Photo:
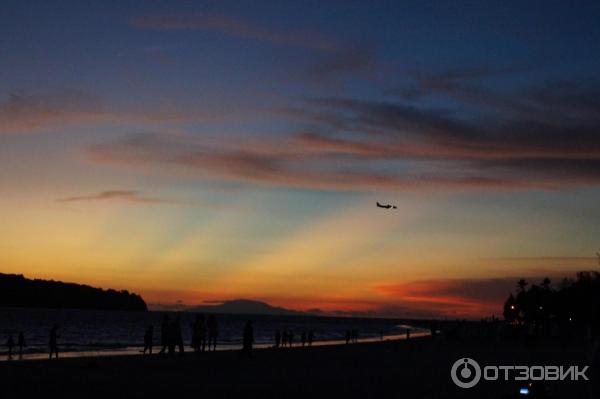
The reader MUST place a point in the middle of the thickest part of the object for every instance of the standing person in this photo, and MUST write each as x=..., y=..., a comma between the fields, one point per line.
x=194, y=330
x=172, y=337
x=303, y=338
x=291, y=338
x=284, y=338
x=277, y=338
x=53, y=341
x=178, y=338
x=164, y=333
x=201, y=332
x=348, y=336
x=407, y=333
x=21, y=344
x=148, y=340
x=248, y=339
x=10, y=343
x=310, y=337
x=213, y=332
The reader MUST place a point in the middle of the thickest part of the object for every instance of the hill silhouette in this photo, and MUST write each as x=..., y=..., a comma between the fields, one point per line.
x=18, y=291
x=245, y=306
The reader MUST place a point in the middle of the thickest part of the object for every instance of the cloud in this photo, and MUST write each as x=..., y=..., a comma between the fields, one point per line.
x=234, y=27
x=119, y=195
x=335, y=58
x=351, y=59
x=24, y=112
x=453, y=297
x=471, y=297
x=267, y=166
x=27, y=112
x=360, y=145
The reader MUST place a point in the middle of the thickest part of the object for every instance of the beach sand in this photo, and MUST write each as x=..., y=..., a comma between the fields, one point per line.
x=418, y=368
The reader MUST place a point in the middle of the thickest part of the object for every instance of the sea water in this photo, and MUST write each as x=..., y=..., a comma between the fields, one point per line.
x=93, y=332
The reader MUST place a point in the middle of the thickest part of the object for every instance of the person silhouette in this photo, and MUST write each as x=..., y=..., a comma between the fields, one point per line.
x=407, y=333
x=348, y=336
x=194, y=330
x=164, y=333
x=201, y=333
x=53, y=341
x=277, y=338
x=248, y=339
x=10, y=343
x=21, y=344
x=213, y=332
x=284, y=338
x=310, y=337
x=303, y=338
x=172, y=337
x=177, y=337
x=148, y=340
x=291, y=338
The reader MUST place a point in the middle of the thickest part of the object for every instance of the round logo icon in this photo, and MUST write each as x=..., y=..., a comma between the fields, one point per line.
x=465, y=373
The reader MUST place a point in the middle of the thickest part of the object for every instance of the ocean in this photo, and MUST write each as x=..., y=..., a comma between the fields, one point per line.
x=97, y=333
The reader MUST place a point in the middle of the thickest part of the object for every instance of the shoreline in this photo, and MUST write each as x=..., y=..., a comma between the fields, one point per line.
x=137, y=350
x=417, y=368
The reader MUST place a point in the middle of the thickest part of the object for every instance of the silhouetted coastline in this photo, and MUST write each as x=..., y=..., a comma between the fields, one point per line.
x=20, y=292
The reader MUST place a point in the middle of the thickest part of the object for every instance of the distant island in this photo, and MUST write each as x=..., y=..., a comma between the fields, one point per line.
x=244, y=306
x=18, y=291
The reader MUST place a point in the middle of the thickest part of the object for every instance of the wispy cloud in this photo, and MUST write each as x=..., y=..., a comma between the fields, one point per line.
x=335, y=57
x=344, y=143
x=453, y=297
x=471, y=297
x=27, y=112
x=235, y=27
x=277, y=167
x=120, y=195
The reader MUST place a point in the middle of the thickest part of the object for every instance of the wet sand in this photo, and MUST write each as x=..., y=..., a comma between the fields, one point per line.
x=418, y=368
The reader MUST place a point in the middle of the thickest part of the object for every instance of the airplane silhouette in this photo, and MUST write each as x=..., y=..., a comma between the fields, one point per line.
x=386, y=206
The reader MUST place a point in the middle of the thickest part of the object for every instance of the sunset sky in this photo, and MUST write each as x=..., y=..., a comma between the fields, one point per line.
x=209, y=150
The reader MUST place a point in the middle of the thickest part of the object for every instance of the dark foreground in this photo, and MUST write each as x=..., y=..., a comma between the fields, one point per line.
x=419, y=368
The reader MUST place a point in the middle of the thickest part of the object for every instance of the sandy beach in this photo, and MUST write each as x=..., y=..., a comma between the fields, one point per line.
x=418, y=368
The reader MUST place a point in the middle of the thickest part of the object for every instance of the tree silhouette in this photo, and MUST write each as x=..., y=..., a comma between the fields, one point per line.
x=521, y=284
x=546, y=283
x=574, y=304
x=18, y=291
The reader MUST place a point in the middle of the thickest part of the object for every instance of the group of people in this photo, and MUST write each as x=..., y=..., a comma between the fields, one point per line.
x=286, y=338
x=20, y=344
x=204, y=333
x=352, y=336
x=10, y=344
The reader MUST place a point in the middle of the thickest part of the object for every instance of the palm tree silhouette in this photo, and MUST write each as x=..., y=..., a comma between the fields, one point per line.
x=546, y=283
x=521, y=284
